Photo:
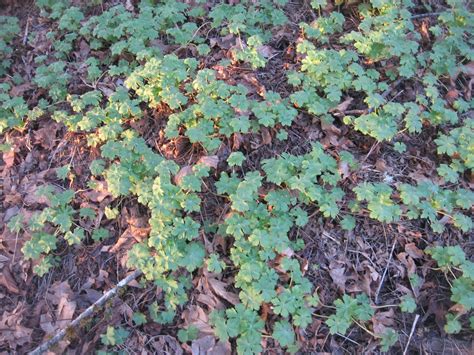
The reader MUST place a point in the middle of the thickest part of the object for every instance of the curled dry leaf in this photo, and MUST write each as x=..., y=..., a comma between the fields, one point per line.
x=266, y=136
x=413, y=251
x=342, y=107
x=7, y=280
x=185, y=171
x=339, y=278
x=196, y=316
x=266, y=51
x=218, y=287
x=344, y=169
x=9, y=158
x=211, y=161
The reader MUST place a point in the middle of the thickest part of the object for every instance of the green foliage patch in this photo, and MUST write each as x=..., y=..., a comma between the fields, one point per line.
x=154, y=59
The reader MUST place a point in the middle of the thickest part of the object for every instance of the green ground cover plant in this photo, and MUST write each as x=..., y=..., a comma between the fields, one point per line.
x=155, y=58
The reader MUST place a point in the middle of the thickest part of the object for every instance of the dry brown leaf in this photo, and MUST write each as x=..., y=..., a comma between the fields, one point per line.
x=99, y=194
x=221, y=348
x=382, y=320
x=129, y=6
x=266, y=136
x=218, y=287
x=337, y=275
x=468, y=69
x=195, y=315
x=413, y=251
x=288, y=252
x=266, y=51
x=451, y=96
x=7, y=280
x=165, y=344
x=330, y=129
x=343, y=106
x=237, y=140
x=344, y=169
x=203, y=345
x=65, y=312
x=185, y=171
x=381, y=165
x=12, y=332
x=211, y=161
x=9, y=158
x=46, y=136
x=19, y=90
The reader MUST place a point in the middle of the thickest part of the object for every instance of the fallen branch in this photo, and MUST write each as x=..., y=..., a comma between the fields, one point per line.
x=87, y=313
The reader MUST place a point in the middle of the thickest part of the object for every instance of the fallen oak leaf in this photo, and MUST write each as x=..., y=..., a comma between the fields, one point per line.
x=218, y=287
x=6, y=280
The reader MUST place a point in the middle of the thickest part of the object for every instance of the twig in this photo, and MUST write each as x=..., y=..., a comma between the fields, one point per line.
x=347, y=338
x=88, y=312
x=384, y=273
x=411, y=333
x=432, y=14
x=25, y=35
x=370, y=152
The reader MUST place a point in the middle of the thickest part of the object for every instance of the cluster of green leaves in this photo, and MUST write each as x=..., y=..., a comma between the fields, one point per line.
x=114, y=336
x=250, y=53
x=122, y=31
x=205, y=106
x=58, y=219
x=348, y=310
x=265, y=208
x=426, y=200
x=453, y=262
x=351, y=310
x=314, y=175
x=458, y=144
x=9, y=28
x=386, y=33
x=379, y=202
x=260, y=226
x=14, y=111
x=129, y=36
x=52, y=77
x=249, y=17
x=172, y=246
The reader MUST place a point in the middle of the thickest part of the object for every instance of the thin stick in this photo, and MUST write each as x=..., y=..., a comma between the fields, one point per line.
x=411, y=333
x=87, y=313
x=25, y=36
x=347, y=338
x=432, y=14
x=384, y=273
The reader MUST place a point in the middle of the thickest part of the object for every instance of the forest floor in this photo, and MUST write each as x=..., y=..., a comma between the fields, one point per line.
x=385, y=260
